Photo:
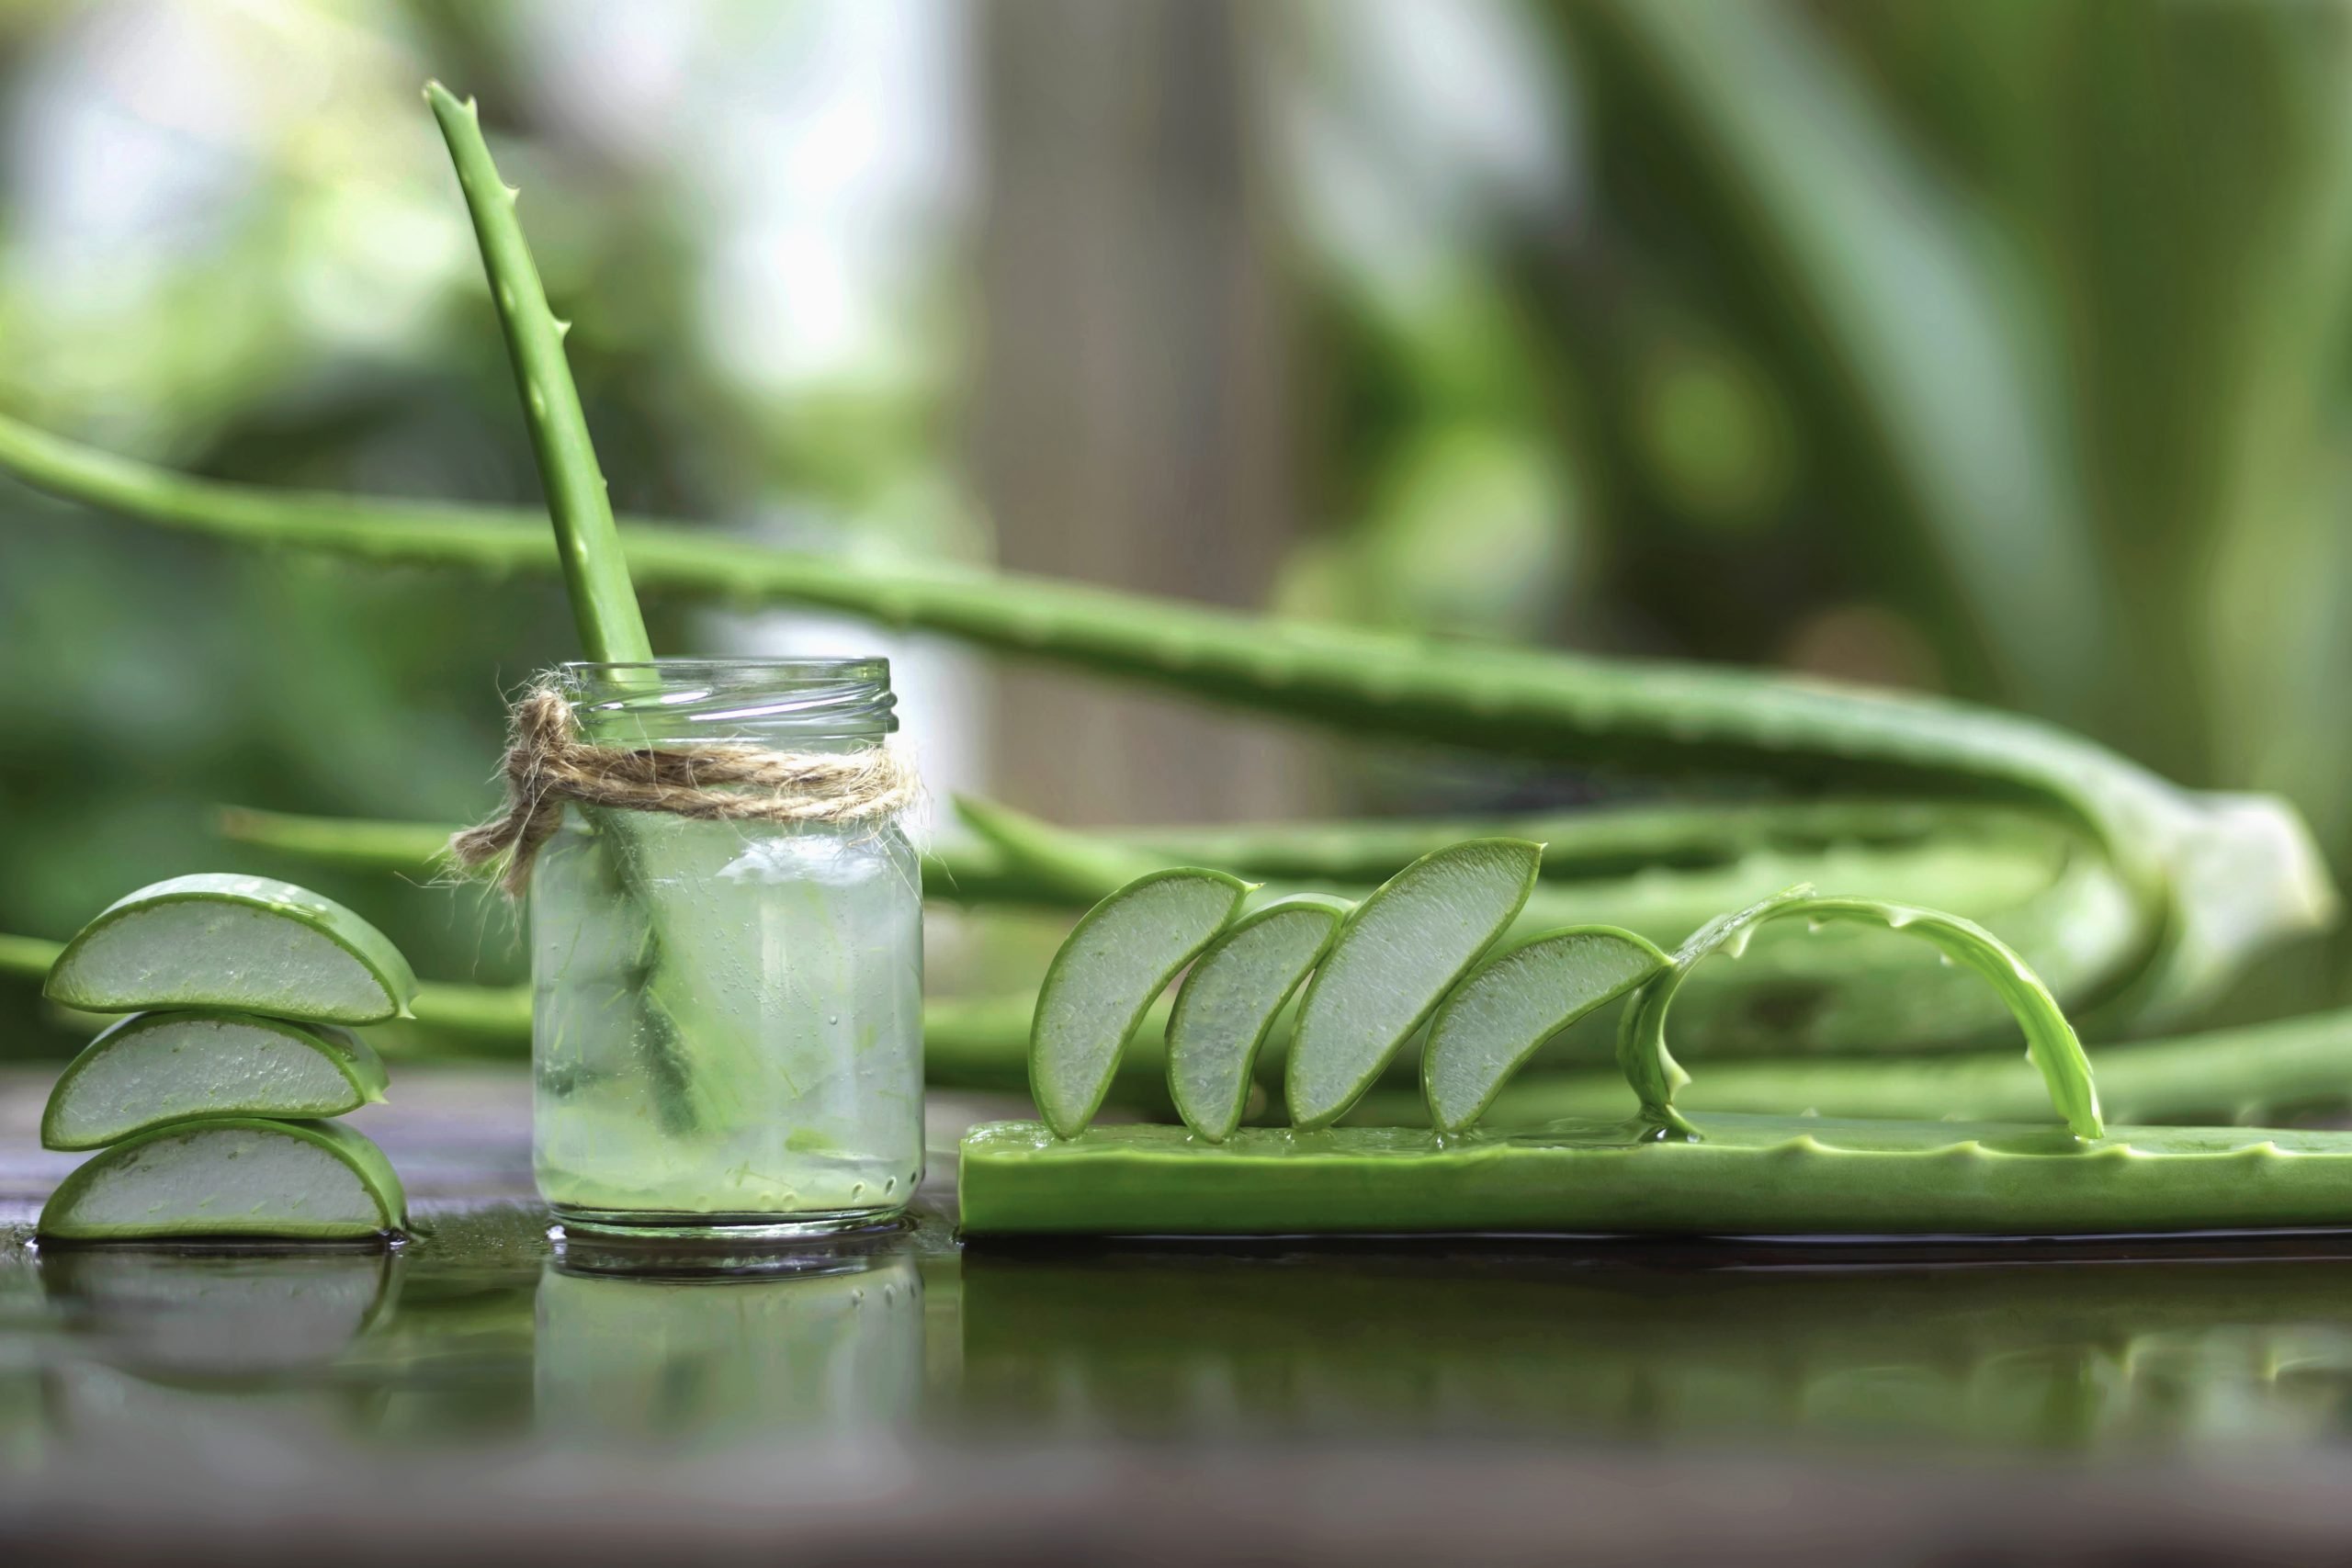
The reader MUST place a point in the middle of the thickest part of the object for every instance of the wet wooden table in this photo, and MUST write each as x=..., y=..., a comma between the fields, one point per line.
x=473, y=1396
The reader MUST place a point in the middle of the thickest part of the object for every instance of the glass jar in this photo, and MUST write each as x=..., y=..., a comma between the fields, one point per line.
x=727, y=1017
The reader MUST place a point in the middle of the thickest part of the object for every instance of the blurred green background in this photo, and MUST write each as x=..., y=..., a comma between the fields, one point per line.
x=1990, y=347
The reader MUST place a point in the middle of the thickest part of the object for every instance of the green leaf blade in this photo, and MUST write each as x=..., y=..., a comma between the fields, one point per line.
x=1510, y=1006
x=1118, y=958
x=1230, y=1000
x=2051, y=1043
x=603, y=601
x=1403, y=949
x=245, y=944
x=158, y=1068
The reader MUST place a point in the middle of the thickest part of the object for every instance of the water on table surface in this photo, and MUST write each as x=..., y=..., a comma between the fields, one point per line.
x=728, y=1019
x=474, y=1336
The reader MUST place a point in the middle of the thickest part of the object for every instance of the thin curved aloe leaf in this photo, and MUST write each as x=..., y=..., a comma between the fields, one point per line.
x=1511, y=1004
x=1230, y=999
x=1119, y=958
x=1394, y=961
x=155, y=1067
x=241, y=1177
x=249, y=943
x=587, y=540
x=1650, y=716
x=2051, y=1043
x=1742, y=1176
x=1076, y=866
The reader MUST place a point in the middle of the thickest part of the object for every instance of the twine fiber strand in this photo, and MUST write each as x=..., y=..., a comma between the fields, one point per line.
x=547, y=764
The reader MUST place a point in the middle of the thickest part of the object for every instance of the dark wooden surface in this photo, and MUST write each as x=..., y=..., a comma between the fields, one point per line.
x=96, y=1466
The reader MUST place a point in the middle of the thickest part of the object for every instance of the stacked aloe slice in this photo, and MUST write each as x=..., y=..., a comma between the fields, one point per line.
x=211, y=1101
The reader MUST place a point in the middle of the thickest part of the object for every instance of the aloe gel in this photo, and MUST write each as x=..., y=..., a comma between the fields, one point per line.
x=726, y=1030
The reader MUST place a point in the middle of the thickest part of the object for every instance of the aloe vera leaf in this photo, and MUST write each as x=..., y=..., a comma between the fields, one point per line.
x=155, y=1067
x=587, y=540
x=1656, y=716
x=2027, y=878
x=2240, y=1075
x=1119, y=957
x=1744, y=1176
x=2051, y=1044
x=1393, y=961
x=1511, y=1004
x=249, y=943
x=1079, y=867
x=239, y=1176
x=1649, y=716
x=1228, y=1002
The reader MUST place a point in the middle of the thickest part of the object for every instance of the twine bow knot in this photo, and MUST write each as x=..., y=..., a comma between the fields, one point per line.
x=547, y=764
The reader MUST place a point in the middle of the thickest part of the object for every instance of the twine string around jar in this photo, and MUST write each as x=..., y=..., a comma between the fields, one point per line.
x=547, y=764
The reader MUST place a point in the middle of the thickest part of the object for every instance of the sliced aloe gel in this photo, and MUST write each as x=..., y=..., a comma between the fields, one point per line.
x=1118, y=958
x=299, y=1180
x=246, y=942
x=1231, y=999
x=1395, y=960
x=155, y=1067
x=1495, y=1019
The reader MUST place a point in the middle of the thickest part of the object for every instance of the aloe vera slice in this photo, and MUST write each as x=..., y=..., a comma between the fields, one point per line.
x=1121, y=954
x=1231, y=999
x=155, y=1067
x=2050, y=1041
x=250, y=944
x=1744, y=1176
x=1495, y=1019
x=1394, y=961
x=239, y=1176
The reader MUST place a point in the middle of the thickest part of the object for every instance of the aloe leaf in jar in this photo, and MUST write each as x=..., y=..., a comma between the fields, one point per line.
x=727, y=1028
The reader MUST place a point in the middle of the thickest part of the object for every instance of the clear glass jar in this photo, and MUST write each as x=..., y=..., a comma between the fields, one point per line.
x=727, y=1018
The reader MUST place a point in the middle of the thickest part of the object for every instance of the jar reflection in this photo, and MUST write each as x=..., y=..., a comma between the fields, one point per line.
x=834, y=1348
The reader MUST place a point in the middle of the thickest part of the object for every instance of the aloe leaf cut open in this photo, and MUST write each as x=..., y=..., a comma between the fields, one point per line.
x=1743, y=1176
x=1395, y=960
x=2051, y=1042
x=155, y=1067
x=1120, y=956
x=1230, y=999
x=1498, y=1018
x=249, y=943
x=237, y=1177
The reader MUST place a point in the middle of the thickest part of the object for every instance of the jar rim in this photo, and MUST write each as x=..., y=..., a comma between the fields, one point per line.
x=666, y=700
x=791, y=669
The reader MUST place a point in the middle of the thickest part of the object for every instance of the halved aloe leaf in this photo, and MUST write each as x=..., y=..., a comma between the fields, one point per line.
x=247, y=942
x=1231, y=999
x=1497, y=1018
x=241, y=1177
x=2050, y=1041
x=1122, y=954
x=155, y=1067
x=1395, y=960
